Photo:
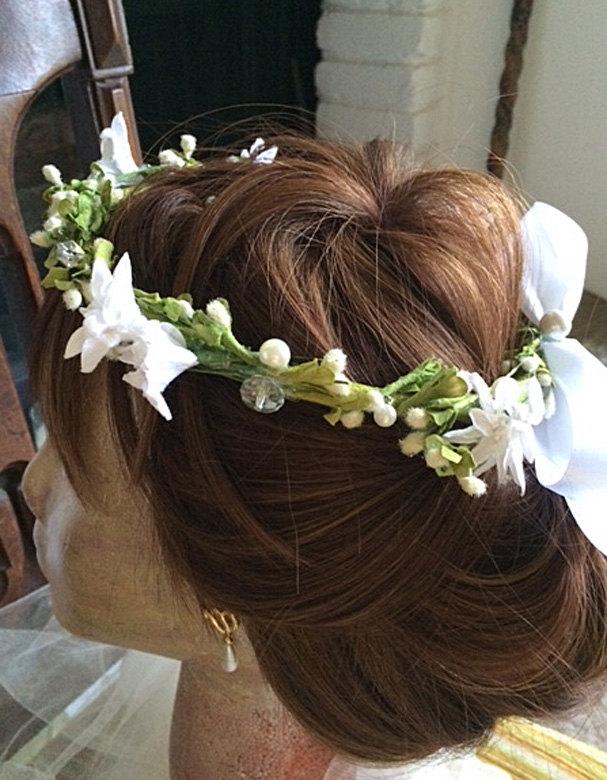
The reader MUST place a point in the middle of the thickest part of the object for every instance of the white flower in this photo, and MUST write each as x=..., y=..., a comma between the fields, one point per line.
x=188, y=145
x=502, y=429
x=417, y=418
x=159, y=355
x=52, y=174
x=412, y=444
x=258, y=153
x=115, y=327
x=116, y=154
x=336, y=360
x=217, y=311
x=170, y=157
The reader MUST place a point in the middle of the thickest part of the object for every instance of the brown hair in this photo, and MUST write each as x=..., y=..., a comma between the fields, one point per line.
x=391, y=613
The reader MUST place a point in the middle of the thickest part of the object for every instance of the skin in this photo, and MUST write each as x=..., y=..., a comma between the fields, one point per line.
x=108, y=583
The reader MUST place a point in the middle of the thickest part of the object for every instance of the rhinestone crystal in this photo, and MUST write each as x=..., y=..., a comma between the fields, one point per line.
x=262, y=393
x=68, y=253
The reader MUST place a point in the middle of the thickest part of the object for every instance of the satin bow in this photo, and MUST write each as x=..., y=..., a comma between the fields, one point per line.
x=572, y=444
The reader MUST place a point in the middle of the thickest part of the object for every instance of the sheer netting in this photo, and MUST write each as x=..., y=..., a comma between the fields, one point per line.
x=71, y=709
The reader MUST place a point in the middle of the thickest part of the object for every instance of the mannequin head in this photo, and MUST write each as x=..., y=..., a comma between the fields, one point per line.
x=391, y=613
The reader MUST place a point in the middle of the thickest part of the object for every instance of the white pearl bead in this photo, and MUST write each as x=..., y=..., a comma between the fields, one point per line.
x=385, y=417
x=531, y=363
x=275, y=353
x=376, y=401
x=554, y=325
x=230, y=664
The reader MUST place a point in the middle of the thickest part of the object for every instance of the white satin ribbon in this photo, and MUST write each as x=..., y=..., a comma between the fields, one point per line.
x=572, y=444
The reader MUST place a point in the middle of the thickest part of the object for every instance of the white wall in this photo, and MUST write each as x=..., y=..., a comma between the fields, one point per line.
x=559, y=138
x=427, y=72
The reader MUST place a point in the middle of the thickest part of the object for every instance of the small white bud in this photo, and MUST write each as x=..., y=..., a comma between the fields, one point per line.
x=417, y=418
x=188, y=145
x=531, y=363
x=218, y=313
x=41, y=238
x=233, y=158
x=412, y=444
x=186, y=307
x=336, y=360
x=434, y=459
x=473, y=486
x=72, y=298
x=53, y=223
x=544, y=379
x=275, y=353
x=376, y=401
x=340, y=387
x=386, y=416
x=170, y=157
x=211, y=199
x=116, y=195
x=352, y=419
x=52, y=174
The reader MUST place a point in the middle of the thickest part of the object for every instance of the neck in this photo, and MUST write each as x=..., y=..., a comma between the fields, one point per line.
x=228, y=725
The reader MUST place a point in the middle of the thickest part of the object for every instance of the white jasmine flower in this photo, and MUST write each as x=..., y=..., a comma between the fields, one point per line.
x=336, y=360
x=188, y=145
x=159, y=355
x=502, y=429
x=217, y=311
x=473, y=486
x=72, y=298
x=41, y=238
x=412, y=444
x=259, y=154
x=52, y=174
x=116, y=154
x=115, y=327
x=417, y=418
x=170, y=157
x=112, y=319
x=352, y=419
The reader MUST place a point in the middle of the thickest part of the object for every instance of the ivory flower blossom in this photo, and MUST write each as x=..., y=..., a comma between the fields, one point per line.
x=502, y=429
x=115, y=327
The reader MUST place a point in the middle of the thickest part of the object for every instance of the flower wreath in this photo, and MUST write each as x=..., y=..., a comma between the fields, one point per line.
x=460, y=425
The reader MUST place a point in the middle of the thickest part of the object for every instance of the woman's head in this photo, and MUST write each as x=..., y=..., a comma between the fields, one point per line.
x=392, y=614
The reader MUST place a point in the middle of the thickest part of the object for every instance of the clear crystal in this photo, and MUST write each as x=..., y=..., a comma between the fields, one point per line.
x=262, y=393
x=68, y=253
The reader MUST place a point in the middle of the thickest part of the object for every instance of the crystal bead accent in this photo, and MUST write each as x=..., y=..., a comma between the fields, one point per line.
x=68, y=253
x=262, y=393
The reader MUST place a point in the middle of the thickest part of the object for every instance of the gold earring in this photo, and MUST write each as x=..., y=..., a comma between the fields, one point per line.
x=225, y=624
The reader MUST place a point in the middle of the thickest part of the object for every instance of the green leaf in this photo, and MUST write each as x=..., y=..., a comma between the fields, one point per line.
x=54, y=275
x=333, y=416
x=172, y=309
x=312, y=373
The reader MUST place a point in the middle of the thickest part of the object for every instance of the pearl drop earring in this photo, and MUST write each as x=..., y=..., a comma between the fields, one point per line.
x=225, y=624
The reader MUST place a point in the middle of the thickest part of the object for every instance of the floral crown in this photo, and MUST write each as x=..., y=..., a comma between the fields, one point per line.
x=459, y=424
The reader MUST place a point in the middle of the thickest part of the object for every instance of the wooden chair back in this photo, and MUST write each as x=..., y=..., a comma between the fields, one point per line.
x=85, y=43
